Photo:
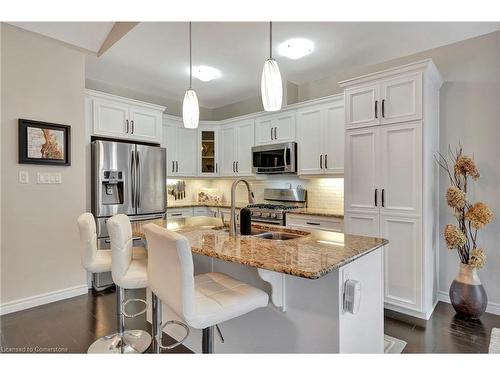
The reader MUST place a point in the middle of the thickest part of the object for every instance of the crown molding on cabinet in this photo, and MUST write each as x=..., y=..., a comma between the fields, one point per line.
x=104, y=95
x=427, y=65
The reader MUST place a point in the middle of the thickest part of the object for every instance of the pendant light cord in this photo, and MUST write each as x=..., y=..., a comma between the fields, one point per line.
x=190, y=59
x=270, y=40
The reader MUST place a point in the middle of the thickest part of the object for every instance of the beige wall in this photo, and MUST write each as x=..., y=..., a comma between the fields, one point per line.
x=42, y=80
x=470, y=114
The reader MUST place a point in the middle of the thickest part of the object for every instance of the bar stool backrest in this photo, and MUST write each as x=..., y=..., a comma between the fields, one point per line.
x=120, y=235
x=88, y=238
x=170, y=269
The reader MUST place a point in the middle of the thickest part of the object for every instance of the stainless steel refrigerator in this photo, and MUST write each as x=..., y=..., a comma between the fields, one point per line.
x=127, y=178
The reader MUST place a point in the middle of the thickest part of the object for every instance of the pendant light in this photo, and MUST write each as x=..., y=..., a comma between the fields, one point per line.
x=190, y=107
x=271, y=86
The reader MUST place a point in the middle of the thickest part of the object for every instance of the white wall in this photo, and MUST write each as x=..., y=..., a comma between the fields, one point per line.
x=470, y=114
x=41, y=80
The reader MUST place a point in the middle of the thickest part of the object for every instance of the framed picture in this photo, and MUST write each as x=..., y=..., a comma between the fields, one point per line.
x=44, y=143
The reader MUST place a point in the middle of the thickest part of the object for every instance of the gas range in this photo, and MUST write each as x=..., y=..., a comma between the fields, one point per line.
x=274, y=213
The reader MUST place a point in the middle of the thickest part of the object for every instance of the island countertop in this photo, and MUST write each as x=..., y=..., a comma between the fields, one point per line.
x=312, y=255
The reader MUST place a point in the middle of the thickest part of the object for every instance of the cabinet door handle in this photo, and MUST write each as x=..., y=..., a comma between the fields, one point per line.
x=276, y=132
x=272, y=134
x=173, y=166
x=312, y=223
x=321, y=162
x=326, y=161
x=376, y=200
x=126, y=131
x=376, y=108
x=233, y=168
x=216, y=168
x=177, y=166
x=383, y=197
x=237, y=167
x=132, y=123
x=383, y=107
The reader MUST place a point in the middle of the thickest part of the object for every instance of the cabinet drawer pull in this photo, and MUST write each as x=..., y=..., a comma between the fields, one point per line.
x=376, y=108
x=383, y=107
x=176, y=214
x=312, y=223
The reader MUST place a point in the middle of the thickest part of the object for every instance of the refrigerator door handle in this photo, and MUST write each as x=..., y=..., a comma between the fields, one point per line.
x=132, y=174
x=138, y=179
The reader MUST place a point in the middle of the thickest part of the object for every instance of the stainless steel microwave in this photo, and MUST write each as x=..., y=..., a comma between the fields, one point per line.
x=275, y=159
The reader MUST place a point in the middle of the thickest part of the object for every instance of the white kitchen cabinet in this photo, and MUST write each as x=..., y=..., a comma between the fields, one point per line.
x=118, y=117
x=236, y=148
x=276, y=128
x=320, y=138
x=388, y=100
x=299, y=221
x=390, y=180
x=181, y=145
x=208, y=157
x=173, y=213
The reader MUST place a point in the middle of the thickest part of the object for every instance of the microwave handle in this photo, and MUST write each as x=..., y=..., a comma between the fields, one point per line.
x=284, y=158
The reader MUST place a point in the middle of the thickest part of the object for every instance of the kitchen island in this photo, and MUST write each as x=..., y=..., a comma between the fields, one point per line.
x=305, y=276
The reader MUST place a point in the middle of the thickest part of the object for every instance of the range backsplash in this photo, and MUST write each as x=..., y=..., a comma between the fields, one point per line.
x=321, y=192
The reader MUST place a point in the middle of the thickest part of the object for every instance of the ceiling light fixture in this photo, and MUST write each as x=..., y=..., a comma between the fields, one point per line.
x=206, y=73
x=271, y=85
x=296, y=48
x=190, y=107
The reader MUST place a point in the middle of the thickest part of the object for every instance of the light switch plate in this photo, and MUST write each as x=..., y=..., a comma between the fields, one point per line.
x=24, y=177
x=48, y=178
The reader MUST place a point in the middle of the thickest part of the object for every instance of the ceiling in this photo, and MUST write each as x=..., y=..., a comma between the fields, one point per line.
x=153, y=57
x=86, y=35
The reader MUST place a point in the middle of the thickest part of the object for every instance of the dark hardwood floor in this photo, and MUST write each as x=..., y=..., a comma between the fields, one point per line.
x=70, y=326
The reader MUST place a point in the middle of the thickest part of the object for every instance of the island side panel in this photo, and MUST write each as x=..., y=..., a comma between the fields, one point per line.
x=363, y=332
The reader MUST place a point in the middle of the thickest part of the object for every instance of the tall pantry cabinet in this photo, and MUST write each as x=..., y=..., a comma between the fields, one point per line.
x=391, y=179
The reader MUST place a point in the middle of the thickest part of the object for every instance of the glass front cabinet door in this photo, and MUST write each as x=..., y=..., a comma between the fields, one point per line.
x=208, y=162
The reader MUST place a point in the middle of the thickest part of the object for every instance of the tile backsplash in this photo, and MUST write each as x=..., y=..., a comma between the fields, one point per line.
x=321, y=192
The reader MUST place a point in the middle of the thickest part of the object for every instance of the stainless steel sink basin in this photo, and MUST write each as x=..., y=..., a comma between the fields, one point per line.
x=277, y=236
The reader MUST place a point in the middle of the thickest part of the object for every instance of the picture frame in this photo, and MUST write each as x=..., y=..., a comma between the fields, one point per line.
x=44, y=143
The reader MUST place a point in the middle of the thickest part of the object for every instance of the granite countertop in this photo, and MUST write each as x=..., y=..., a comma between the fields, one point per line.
x=312, y=255
x=206, y=204
x=317, y=212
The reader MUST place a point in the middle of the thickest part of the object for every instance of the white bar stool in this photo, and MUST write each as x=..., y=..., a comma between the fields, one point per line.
x=202, y=301
x=127, y=273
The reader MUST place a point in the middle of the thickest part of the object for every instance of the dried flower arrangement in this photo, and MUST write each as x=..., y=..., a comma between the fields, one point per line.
x=470, y=217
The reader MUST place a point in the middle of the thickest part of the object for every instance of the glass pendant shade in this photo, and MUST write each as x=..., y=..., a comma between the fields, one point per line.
x=190, y=110
x=271, y=86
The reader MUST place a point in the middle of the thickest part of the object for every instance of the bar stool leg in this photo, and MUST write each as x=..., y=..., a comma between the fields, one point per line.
x=122, y=342
x=156, y=323
x=207, y=341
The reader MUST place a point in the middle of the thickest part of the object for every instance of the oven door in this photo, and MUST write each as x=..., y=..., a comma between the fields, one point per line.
x=275, y=159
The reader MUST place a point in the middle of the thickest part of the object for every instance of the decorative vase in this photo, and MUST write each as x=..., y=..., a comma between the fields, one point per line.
x=467, y=294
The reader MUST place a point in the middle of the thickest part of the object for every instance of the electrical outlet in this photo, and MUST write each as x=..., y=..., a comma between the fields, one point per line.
x=24, y=177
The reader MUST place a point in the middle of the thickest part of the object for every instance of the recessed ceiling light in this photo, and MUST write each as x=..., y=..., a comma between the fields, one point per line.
x=296, y=48
x=206, y=73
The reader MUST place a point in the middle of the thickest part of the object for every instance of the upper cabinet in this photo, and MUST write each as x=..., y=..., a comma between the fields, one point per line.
x=182, y=147
x=384, y=101
x=208, y=145
x=320, y=138
x=275, y=128
x=117, y=117
x=236, y=142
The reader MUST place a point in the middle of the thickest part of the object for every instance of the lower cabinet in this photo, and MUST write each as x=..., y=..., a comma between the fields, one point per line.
x=179, y=212
x=327, y=223
x=403, y=256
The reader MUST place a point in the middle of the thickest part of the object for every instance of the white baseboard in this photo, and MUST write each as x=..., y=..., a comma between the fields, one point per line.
x=42, y=299
x=492, y=308
x=416, y=314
